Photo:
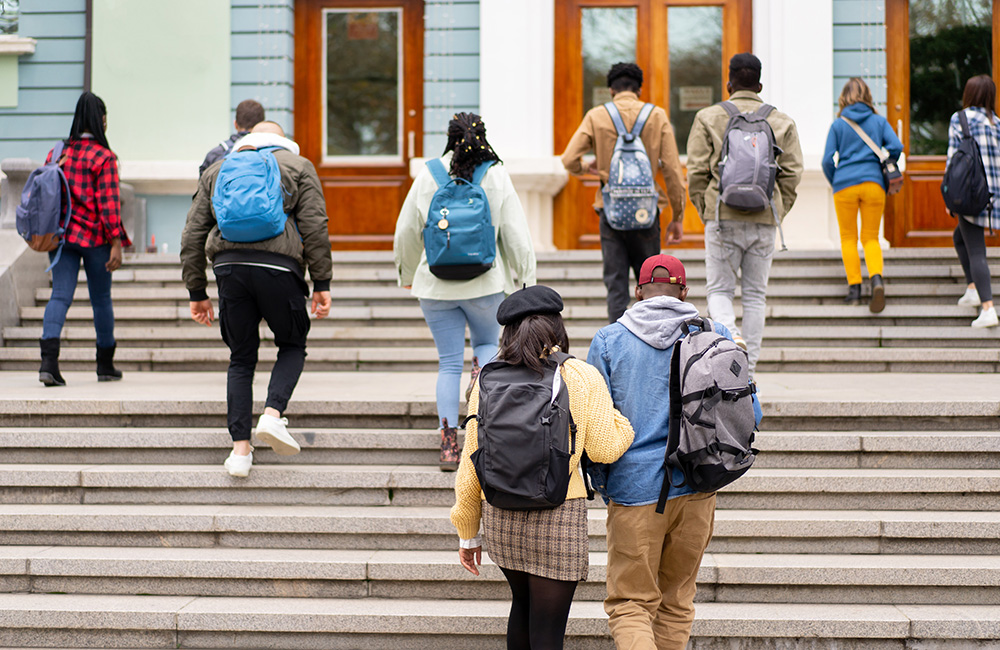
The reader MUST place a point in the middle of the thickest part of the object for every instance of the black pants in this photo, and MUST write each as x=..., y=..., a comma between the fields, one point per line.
x=970, y=244
x=623, y=250
x=248, y=294
x=538, y=612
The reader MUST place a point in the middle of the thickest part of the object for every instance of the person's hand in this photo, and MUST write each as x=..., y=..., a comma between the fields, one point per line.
x=592, y=167
x=321, y=304
x=470, y=557
x=675, y=232
x=201, y=311
x=115, y=259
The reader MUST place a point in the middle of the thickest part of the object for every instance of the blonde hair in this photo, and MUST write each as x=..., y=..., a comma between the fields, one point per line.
x=855, y=91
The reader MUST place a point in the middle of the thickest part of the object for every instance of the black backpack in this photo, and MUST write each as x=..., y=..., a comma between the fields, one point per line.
x=526, y=435
x=964, y=188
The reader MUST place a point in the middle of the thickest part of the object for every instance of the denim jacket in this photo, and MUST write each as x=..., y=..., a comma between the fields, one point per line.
x=637, y=371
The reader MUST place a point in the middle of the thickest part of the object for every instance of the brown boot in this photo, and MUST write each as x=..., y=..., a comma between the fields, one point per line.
x=473, y=377
x=449, y=447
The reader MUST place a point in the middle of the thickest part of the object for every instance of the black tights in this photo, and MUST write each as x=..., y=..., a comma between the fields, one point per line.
x=539, y=611
x=970, y=244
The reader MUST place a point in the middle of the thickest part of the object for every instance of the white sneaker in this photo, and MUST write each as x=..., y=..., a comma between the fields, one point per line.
x=987, y=318
x=970, y=298
x=239, y=465
x=273, y=431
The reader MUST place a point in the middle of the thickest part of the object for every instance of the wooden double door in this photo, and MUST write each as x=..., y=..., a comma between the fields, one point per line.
x=683, y=48
x=359, y=109
x=932, y=48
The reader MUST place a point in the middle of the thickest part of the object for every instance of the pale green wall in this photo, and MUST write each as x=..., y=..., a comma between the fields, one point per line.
x=8, y=80
x=163, y=69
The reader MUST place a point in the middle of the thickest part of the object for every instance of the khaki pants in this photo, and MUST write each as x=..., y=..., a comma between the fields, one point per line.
x=653, y=562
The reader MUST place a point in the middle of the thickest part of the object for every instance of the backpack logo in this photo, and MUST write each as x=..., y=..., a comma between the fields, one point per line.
x=248, y=197
x=630, y=194
x=461, y=244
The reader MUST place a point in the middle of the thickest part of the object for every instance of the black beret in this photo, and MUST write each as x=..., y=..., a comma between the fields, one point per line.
x=538, y=299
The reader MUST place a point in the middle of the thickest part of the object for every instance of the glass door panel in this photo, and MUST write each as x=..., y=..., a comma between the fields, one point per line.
x=607, y=36
x=694, y=39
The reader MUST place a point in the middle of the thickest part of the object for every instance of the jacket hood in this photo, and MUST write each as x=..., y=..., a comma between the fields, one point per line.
x=262, y=140
x=857, y=112
x=657, y=321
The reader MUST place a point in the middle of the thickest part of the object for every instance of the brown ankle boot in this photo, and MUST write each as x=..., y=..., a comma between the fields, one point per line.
x=449, y=447
x=472, y=378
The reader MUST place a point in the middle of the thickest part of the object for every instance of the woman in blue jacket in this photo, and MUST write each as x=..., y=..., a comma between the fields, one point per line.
x=858, y=185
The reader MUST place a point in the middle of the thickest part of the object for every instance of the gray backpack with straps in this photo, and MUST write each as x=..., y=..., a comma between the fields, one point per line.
x=630, y=193
x=748, y=164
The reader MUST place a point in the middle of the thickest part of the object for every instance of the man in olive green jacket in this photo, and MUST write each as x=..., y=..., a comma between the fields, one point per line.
x=735, y=240
x=261, y=280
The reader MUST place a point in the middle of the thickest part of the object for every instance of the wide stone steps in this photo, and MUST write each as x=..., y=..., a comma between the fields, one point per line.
x=55, y=620
x=401, y=574
x=790, y=449
x=397, y=528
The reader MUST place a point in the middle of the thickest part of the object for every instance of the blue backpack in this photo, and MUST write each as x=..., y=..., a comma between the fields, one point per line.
x=459, y=239
x=630, y=193
x=248, y=198
x=40, y=218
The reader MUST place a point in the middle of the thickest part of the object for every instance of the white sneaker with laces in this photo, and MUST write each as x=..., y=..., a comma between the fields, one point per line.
x=239, y=466
x=987, y=318
x=273, y=431
x=970, y=298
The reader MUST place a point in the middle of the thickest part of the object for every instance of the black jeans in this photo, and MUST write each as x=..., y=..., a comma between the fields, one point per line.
x=970, y=244
x=623, y=250
x=248, y=294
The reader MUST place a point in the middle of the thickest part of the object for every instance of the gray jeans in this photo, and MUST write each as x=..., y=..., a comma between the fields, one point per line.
x=747, y=248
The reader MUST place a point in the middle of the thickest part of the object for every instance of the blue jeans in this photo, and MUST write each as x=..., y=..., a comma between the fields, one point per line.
x=447, y=319
x=64, y=276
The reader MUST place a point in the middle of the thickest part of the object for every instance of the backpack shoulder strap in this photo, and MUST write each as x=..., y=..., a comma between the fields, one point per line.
x=438, y=172
x=730, y=107
x=877, y=150
x=616, y=117
x=640, y=121
x=966, y=131
x=673, y=438
x=764, y=110
x=57, y=151
x=480, y=173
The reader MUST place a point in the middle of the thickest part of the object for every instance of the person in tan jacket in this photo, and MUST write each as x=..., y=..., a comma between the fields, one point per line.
x=625, y=249
x=735, y=240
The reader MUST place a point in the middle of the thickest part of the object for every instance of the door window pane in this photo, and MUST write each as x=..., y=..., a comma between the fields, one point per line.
x=694, y=36
x=950, y=41
x=363, y=69
x=608, y=37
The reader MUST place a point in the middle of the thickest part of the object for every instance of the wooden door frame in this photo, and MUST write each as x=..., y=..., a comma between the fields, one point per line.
x=309, y=111
x=897, y=58
x=651, y=15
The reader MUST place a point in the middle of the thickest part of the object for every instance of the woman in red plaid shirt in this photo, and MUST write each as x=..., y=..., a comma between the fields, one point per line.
x=94, y=236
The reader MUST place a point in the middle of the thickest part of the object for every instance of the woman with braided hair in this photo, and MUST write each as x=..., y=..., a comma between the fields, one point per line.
x=449, y=305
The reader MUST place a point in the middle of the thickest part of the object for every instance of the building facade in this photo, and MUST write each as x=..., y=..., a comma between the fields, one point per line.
x=366, y=87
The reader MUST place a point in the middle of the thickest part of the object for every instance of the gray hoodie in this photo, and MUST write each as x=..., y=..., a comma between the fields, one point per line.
x=657, y=321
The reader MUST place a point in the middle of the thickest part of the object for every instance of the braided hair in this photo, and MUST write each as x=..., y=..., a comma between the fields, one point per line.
x=467, y=138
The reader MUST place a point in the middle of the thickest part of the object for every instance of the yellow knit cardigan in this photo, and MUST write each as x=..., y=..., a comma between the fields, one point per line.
x=604, y=432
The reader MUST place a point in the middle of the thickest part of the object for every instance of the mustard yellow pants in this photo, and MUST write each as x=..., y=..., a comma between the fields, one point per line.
x=869, y=199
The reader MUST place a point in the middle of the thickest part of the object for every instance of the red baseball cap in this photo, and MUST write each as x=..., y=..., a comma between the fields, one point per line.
x=673, y=266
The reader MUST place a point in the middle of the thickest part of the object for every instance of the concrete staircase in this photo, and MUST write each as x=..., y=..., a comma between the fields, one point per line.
x=871, y=519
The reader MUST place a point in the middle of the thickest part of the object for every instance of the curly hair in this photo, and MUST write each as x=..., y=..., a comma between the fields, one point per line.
x=625, y=76
x=467, y=138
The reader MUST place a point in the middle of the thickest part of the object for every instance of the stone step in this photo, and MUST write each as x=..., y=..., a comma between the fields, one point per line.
x=793, y=449
x=402, y=574
x=886, y=532
x=413, y=485
x=54, y=620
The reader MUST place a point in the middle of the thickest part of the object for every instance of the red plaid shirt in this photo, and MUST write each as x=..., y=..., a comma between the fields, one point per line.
x=92, y=173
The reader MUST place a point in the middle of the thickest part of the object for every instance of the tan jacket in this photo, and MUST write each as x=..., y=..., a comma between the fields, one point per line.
x=597, y=133
x=705, y=146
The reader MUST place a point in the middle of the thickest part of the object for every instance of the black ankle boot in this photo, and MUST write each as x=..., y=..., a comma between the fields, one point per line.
x=106, y=370
x=48, y=373
x=877, y=303
x=853, y=294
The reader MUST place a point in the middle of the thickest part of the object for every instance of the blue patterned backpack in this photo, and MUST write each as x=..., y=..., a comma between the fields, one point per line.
x=630, y=193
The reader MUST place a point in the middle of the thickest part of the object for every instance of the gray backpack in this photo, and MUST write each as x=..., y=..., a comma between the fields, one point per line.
x=748, y=164
x=712, y=419
x=42, y=215
x=630, y=194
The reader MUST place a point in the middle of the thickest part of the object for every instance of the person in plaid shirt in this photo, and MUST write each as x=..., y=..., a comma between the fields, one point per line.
x=94, y=236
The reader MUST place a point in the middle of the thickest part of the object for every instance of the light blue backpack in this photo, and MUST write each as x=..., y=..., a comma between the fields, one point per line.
x=248, y=198
x=40, y=217
x=630, y=193
x=459, y=239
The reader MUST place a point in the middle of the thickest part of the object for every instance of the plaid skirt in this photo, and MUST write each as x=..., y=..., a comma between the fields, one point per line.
x=548, y=543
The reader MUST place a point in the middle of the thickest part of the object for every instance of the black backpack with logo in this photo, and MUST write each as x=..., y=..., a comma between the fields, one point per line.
x=526, y=435
x=965, y=188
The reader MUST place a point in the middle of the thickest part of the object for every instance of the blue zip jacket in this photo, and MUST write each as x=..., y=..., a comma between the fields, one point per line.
x=857, y=163
x=637, y=371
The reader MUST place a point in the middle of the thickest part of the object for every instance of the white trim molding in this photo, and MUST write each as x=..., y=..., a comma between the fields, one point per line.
x=17, y=45
x=160, y=176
